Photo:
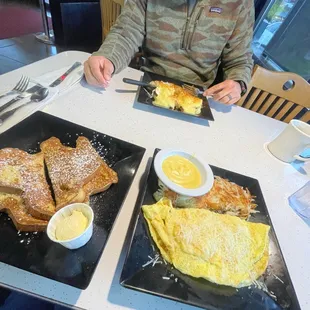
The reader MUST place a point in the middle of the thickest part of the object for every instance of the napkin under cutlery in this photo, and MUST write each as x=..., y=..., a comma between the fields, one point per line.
x=45, y=80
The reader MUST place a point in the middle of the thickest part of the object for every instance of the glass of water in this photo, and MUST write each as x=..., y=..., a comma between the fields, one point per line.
x=300, y=202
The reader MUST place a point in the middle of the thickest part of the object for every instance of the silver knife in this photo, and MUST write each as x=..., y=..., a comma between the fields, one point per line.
x=35, y=97
x=33, y=89
x=24, y=95
x=62, y=78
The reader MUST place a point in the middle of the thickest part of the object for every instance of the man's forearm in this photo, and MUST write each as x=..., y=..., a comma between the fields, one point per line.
x=126, y=36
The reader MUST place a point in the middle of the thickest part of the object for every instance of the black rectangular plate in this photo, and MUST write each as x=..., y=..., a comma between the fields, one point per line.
x=34, y=252
x=145, y=99
x=200, y=292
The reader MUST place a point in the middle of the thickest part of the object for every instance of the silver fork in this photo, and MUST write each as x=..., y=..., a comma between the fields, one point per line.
x=20, y=87
x=21, y=96
x=194, y=90
x=37, y=96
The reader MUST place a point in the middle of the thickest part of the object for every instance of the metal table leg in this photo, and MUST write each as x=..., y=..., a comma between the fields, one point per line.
x=47, y=36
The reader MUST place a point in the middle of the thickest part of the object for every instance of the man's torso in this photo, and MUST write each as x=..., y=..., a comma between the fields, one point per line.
x=180, y=43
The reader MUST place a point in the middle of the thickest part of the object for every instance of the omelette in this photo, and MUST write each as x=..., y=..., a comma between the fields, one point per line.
x=220, y=248
x=225, y=197
x=170, y=96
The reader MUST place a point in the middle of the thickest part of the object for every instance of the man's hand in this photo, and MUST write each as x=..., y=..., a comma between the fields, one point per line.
x=227, y=92
x=98, y=71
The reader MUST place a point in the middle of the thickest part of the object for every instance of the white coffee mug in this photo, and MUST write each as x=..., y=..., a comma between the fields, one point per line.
x=291, y=142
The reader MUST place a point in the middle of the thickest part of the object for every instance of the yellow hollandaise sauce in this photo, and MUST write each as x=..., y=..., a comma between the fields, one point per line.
x=182, y=171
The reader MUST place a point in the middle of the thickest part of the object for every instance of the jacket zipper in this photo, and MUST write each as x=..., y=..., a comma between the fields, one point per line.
x=189, y=46
x=185, y=29
x=188, y=18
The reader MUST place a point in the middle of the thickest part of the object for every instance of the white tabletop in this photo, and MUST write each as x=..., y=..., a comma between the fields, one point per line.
x=233, y=141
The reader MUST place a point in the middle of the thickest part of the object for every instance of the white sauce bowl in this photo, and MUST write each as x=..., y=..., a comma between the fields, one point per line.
x=204, y=169
x=80, y=240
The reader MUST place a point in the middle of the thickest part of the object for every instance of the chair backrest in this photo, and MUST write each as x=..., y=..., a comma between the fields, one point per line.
x=280, y=95
x=110, y=10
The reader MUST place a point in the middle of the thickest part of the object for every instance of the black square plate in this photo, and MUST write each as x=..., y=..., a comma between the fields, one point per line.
x=160, y=279
x=144, y=98
x=34, y=252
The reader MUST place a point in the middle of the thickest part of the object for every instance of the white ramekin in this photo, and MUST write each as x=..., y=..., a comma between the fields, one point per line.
x=80, y=240
x=204, y=169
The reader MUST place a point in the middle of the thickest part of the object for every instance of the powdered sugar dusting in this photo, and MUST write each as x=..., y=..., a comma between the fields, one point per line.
x=101, y=149
x=26, y=172
x=34, y=190
x=27, y=238
x=69, y=167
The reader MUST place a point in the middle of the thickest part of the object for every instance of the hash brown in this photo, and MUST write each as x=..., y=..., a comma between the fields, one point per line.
x=225, y=197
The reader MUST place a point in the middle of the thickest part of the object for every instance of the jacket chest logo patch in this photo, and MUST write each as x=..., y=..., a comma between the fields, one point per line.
x=216, y=10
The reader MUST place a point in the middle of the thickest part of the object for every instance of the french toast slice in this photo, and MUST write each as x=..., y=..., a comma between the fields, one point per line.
x=104, y=178
x=70, y=169
x=14, y=206
x=24, y=174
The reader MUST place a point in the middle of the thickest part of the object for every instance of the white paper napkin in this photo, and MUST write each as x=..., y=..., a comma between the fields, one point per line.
x=45, y=80
x=25, y=111
x=71, y=80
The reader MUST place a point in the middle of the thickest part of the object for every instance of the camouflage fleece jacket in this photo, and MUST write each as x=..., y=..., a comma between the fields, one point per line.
x=182, y=45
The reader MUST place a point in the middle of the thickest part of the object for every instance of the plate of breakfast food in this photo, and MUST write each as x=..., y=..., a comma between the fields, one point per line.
x=61, y=188
x=215, y=251
x=167, y=93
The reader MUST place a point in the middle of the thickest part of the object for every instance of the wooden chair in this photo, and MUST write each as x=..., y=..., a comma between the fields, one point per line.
x=268, y=94
x=110, y=10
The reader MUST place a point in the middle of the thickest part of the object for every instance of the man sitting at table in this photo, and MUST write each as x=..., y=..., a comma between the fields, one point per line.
x=182, y=39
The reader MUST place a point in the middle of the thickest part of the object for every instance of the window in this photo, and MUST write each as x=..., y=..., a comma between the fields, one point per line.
x=282, y=37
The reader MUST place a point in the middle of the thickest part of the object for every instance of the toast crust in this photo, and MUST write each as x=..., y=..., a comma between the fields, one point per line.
x=103, y=179
x=14, y=206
